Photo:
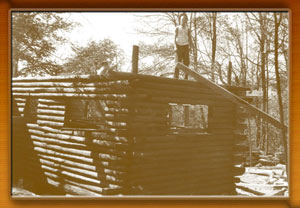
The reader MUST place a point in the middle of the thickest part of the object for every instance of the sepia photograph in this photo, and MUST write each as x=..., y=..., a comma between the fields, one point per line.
x=150, y=104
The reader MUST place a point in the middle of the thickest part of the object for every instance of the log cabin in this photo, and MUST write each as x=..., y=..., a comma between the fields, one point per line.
x=126, y=135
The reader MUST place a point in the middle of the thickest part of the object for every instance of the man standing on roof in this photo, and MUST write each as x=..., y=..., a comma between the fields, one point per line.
x=183, y=41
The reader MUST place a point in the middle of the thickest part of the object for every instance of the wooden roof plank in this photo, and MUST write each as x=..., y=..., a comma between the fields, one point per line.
x=230, y=96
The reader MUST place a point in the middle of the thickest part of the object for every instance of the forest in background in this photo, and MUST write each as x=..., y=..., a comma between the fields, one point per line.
x=254, y=46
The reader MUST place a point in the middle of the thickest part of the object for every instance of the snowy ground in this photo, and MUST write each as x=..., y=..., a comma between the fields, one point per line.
x=263, y=181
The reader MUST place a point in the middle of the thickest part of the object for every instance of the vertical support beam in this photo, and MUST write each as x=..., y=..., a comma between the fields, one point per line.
x=135, y=59
x=176, y=73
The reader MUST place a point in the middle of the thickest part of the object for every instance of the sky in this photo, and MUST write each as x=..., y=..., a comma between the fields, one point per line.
x=117, y=26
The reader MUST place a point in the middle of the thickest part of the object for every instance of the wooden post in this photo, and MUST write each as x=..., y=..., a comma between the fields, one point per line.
x=135, y=59
x=176, y=73
x=229, y=73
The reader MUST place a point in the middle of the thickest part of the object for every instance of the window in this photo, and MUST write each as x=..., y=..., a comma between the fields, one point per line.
x=84, y=114
x=188, y=117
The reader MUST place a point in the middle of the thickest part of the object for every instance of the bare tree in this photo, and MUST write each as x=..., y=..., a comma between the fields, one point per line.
x=278, y=86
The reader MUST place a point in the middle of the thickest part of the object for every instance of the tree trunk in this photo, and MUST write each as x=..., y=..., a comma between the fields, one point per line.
x=263, y=75
x=213, y=44
x=195, y=48
x=280, y=105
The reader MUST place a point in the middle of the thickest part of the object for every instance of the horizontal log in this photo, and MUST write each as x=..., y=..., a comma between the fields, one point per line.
x=49, y=123
x=85, y=153
x=222, y=116
x=242, y=115
x=194, y=189
x=53, y=182
x=86, y=186
x=51, y=175
x=180, y=168
x=141, y=130
x=69, y=78
x=61, y=137
x=73, y=95
x=166, y=100
x=241, y=126
x=151, y=105
x=136, y=118
x=218, y=109
x=116, y=110
x=51, y=117
x=184, y=179
x=222, y=152
x=45, y=151
x=176, y=179
x=240, y=148
x=63, y=133
x=101, y=182
x=50, y=112
x=113, y=152
x=239, y=131
x=19, y=99
x=51, y=101
x=155, y=79
x=68, y=162
x=181, y=101
x=208, y=144
x=223, y=125
x=79, y=90
x=192, y=158
x=73, y=189
x=189, y=190
x=104, y=136
x=54, y=107
x=98, y=169
x=192, y=137
x=221, y=130
x=69, y=83
x=58, y=142
x=112, y=165
x=239, y=159
x=111, y=132
x=20, y=104
x=141, y=108
x=185, y=158
x=81, y=171
x=116, y=124
x=169, y=87
x=109, y=144
x=240, y=138
x=74, y=176
x=185, y=138
x=162, y=92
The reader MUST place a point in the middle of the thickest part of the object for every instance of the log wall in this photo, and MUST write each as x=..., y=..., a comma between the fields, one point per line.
x=130, y=150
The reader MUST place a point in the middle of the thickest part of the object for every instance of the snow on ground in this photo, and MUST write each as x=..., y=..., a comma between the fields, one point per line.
x=263, y=181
